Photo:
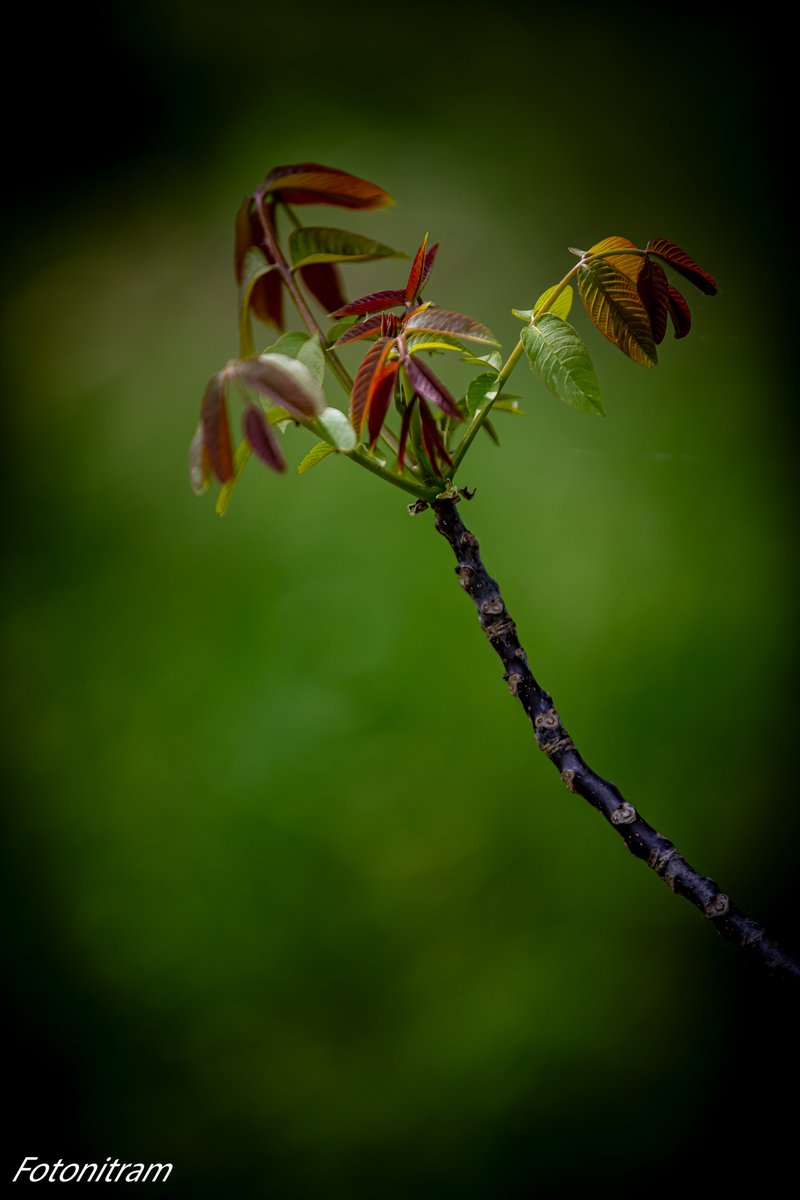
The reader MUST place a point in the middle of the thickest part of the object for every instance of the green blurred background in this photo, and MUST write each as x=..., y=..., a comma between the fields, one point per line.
x=294, y=903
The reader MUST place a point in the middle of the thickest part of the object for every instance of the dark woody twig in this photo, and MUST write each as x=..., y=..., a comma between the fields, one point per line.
x=641, y=839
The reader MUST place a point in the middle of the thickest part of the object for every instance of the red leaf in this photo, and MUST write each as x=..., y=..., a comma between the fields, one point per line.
x=312, y=183
x=428, y=266
x=379, y=399
x=263, y=439
x=685, y=266
x=375, y=302
x=325, y=284
x=679, y=312
x=432, y=439
x=653, y=288
x=361, y=330
x=266, y=299
x=404, y=428
x=430, y=319
x=216, y=434
x=284, y=381
x=415, y=274
x=371, y=366
x=425, y=383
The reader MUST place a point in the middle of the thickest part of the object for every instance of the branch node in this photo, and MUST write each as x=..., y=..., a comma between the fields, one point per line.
x=717, y=907
x=468, y=541
x=624, y=815
x=660, y=859
x=464, y=574
x=498, y=628
x=551, y=748
x=493, y=607
x=513, y=681
x=568, y=778
x=548, y=720
x=418, y=507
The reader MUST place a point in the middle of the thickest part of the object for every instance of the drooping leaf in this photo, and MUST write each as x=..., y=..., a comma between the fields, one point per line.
x=679, y=313
x=683, y=264
x=562, y=362
x=493, y=359
x=438, y=320
x=375, y=302
x=324, y=283
x=405, y=426
x=628, y=264
x=366, y=328
x=371, y=366
x=312, y=355
x=314, y=456
x=336, y=424
x=255, y=267
x=508, y=404
x=559, y=308
x=415, y=274
x=263, y=439
x=240, y=461
x=200, y=468
x=482, y=389
x=432, y=441
x=248, y=233
x=379, y=399
x=286, y=382
x=653, y=288
x=318, y=244
x=430, y=258
x=612, y=302
x=312, y=183
x=425, y=383
x=216, y=432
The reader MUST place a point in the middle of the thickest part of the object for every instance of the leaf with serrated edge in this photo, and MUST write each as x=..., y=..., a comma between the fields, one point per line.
x=439, y=320
x=680, y=261
x=337, y=425
x=314, y=456
x=285, y=381
x=559, y=308
x=319, y=244
x=613, y=305
x=313, y=183
x=240, y=461
x=562, y=362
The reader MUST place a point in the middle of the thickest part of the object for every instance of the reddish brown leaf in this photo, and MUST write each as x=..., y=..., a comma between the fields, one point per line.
x=216, y=433
x=612, y=302
x=325, y=284
x=685, y=266
x=248, y=233
x=286, y=382
x=266, y=299
x=375, y=302
x=263, y=439
x=404, y=429
x=629, y=264
x=361, y=330
x=312, y=183
x=379, y=399
x=428, y=266
x=425, y=383
x=432, y=439
x=653, y=288
x=431, y=319
x=679, y=312
x=371, y=366
x=415, y=274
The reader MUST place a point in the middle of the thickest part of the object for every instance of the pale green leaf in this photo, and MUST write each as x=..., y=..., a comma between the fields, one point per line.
x=315, y=244
x=338, y=427
x=290, y=344
x=493, y=359
x=560, y=359
x=561, y=305
x=312, y=355
x=315, y=455
x=240, y=461
x=481, y=389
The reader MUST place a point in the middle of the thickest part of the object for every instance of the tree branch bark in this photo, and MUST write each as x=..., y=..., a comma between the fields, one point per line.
x=641, y=839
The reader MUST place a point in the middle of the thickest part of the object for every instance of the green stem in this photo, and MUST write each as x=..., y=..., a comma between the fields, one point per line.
x=482, y=413
x=420, y=490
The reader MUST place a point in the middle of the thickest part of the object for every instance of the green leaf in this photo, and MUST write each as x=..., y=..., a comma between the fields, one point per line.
x=493, y=359
x=481, y=388
x=315, y=455
x=612, y=302
x=339, y=327
x=560, y=307
x=240, y=461
x=560, y=359
x=289, y=344
x=254, y=267
x=316, y=244
x=336, y=424
x=312, y=356
x=508, y=404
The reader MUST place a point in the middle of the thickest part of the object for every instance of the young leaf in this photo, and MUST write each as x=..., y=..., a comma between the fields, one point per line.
x=248, y=233
x=405, y=426
x=415, y=274
x=680, y=261
x=370, y=368
x=628, y=264
x=266, y=299
x=290, y=344
x=312, y=355
x=426, y=385
x=679, y=313
x=216, y=433
x=559, y=308
x=612, y=302
x=200, y=468
x=240, y=461
x=254, y=267
x=427, y=266
x=481, y=389
x=379, y=399
x=375, y=302
x=324, y=283
x=560, y=359
x=363, y=329
x=315, y=455
x=438, y=320
x=336, y=424
x=432, y=440
x=653, y=288
x=316, y=244
x=284, y=381
x=262, y=438
x=312, y=183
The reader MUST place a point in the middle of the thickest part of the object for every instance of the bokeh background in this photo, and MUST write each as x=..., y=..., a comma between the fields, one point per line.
x=293, y=901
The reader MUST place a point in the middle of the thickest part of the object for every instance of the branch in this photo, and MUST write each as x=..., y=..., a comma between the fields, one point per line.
x=641, y=839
